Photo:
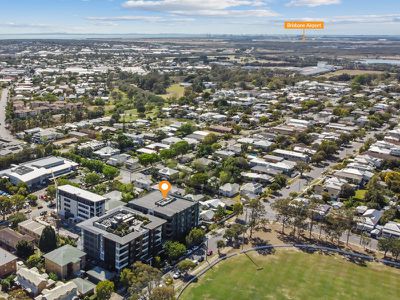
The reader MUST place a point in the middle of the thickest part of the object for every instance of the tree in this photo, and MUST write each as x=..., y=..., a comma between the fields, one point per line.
x=365, y=240
x=220, y=244
x=48, y=240
x=233, y=233
x=181, y=147
x=318, y=157
x=5, y=206
x=125, y=277
x=92, y=178
x=198, y=179
x=282, y=207
x=257, y=212
x=18, y=201
x=110, y=172
x=186, y=129
x=348, y=221
x=302, y=167
x=104, y=290
x=210, y=139
x=148, y=159
x=24, y=249
x=141, y=279
x=298, y=214
x=174, y=250
x=195, y=237
x=162, y=293
x=53, y=276
x=186, y=265
x=395, y=248
x=51, y=191
x=237, y=208
x=16, y=218
x=385, y=244
x=334, y=226
x=347, y=191
x=329, y=148
x=35, y=260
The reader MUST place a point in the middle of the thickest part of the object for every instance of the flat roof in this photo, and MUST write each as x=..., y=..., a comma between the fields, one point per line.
x=151, y=201
x=81, y=193
x=94, y=225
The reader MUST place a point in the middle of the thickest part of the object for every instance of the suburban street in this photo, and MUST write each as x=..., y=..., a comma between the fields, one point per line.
x=4, y=133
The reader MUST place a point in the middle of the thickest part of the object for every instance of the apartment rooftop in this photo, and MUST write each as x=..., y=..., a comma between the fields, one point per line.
x=154, y=201
x=122, y=224
x=81, y=193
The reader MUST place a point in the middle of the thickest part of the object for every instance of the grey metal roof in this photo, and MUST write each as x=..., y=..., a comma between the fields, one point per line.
x=65, y=255
x=6, y=257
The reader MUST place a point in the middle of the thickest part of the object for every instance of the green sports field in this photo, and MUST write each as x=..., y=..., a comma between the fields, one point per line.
x=295, y=275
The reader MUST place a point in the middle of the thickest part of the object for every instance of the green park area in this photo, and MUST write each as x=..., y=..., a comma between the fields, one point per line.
x=174, y=91
x=295, y=275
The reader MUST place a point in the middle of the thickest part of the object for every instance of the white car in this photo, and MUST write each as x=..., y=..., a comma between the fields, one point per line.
x=176, y=275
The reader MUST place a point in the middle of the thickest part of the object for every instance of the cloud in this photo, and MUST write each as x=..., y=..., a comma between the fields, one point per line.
x=139, y=19
x=312, y=3
x=238, y=8
x=366, y=19
x=125, y=18
x=24, y=25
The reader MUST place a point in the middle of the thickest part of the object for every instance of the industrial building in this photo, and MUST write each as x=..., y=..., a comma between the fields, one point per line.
x=37, y=173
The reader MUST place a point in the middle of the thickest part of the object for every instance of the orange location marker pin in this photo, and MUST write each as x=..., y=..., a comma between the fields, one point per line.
x=164, y=187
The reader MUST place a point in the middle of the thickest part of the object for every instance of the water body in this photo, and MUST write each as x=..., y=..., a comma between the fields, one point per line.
x=381, y=61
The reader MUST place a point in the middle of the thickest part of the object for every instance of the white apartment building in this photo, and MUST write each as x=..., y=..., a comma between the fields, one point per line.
x=79, y=204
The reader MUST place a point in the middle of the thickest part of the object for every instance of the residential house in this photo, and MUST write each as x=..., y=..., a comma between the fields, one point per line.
x=66, y=261
x=229, y=189
x=31, y=281
x=62, y=291
x=8, y=263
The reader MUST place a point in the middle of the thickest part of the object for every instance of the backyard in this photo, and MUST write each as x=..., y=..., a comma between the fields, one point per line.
x=295, y=275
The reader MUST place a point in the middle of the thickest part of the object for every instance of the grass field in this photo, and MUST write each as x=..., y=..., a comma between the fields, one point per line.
x=351, y=72
x=360, y=194
x=295, y=275
x=175, y=90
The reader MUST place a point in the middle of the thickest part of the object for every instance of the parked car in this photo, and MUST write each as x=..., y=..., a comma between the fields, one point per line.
x=209, y=252
x=176, y=275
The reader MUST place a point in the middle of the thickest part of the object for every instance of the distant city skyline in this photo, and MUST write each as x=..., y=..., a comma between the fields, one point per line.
x=342, y=17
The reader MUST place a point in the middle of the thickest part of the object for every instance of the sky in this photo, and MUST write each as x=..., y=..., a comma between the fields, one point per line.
x=361, y=17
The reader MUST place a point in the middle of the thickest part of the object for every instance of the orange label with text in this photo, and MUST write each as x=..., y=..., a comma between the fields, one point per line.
x=304, y=25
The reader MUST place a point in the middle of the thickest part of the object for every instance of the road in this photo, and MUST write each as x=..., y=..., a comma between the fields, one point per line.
x=300, y=184
x=4, y=133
